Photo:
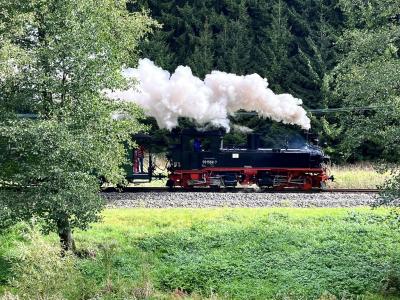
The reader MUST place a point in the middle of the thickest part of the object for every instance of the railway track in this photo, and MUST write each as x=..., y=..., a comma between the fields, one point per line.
x=230, y=190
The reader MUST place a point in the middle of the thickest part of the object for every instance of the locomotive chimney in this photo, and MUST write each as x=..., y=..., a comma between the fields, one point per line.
x=253, y=141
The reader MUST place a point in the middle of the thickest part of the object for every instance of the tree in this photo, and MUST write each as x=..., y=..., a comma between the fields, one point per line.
x=314, y=26
x=233, y=38
x=157, y=49
x=201, y=60
x=57, y=59
x=367, y=76
x=273, y=37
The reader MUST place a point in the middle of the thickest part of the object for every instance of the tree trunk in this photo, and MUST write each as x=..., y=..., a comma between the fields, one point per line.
x=65, y=234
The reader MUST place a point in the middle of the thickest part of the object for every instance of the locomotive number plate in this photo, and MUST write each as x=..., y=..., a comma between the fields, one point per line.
x=209, y=162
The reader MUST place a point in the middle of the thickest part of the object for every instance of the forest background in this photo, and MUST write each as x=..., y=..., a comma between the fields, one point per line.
x=301, y=47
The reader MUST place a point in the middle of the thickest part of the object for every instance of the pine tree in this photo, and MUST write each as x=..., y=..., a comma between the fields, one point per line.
x=157, y=49
x=288, y=42
x=234, y=38
x=273, y=37
x=202, y=59
x=185, y=30
x=367, y=76
x=314, y=25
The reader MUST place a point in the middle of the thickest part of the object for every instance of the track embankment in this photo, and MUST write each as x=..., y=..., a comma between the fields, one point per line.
x=238, y=199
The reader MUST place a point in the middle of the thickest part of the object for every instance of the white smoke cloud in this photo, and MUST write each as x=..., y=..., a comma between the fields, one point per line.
x=243, y=129
x=167, y=97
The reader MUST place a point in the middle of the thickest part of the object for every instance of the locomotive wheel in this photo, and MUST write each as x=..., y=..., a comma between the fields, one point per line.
x=307, y=186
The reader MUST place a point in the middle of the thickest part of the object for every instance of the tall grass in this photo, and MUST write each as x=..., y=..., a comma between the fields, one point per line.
x=362, y=176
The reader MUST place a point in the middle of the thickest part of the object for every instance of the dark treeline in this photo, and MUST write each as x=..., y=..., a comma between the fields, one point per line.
x=289, y=42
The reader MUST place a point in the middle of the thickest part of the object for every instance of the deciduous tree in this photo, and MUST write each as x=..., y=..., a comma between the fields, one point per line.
x=367, y=76
x=57, y=58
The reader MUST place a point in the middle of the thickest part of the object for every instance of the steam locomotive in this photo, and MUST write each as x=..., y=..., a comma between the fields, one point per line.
x=214, y=165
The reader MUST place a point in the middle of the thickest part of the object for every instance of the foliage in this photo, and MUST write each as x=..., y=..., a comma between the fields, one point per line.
x=57, y=59
x=275, y=253
x=367, y=76
x=390, y=189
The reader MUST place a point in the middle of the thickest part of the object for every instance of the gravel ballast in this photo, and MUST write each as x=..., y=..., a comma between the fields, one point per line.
x=204, y=200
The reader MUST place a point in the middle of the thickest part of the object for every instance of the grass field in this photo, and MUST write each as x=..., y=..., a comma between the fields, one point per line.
x=279, y=253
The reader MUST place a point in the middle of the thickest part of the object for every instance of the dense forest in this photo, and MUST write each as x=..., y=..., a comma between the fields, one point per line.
x=295, y=44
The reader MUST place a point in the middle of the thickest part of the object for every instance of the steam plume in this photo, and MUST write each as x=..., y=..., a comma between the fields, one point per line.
x=243, y=129
x=167, y=97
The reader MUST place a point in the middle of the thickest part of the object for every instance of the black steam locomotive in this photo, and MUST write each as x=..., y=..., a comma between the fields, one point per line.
x=199, y=159
x=214, y=165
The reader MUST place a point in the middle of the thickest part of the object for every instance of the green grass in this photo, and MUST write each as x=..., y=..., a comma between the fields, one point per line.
x=274, y=253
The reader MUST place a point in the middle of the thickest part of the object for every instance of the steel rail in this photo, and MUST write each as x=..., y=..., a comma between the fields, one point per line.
x=230, y=190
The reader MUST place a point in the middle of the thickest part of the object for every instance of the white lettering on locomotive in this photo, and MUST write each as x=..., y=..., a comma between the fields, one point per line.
x=209, y=162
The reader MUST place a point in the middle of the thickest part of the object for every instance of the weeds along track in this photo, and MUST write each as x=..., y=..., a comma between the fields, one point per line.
x=209, y=199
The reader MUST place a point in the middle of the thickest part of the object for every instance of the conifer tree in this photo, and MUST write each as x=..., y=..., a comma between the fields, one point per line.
x=157, y=49
x=202, y=59
x=314, y=25
x=273, y=37
x=288, y=42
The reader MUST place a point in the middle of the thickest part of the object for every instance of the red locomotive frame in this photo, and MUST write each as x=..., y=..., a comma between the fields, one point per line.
x=294, y=178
